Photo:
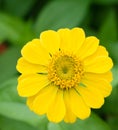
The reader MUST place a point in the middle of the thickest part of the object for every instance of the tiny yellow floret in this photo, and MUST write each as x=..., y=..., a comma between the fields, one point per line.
x=65, y=70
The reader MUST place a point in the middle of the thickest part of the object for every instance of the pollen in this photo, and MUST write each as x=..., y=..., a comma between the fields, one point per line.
x=65, y=70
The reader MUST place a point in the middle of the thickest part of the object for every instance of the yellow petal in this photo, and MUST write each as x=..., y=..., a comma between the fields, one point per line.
x=43, y=99
x=102, y=85
x=89, y=46
x=69, y=116
x=56, y=111
x=29, y=85
x=92, y=97
x=71, y=40
x=26, y=67
x=35, y=53
x=78, y=107
x=77, y=39
x=101, y=51
x=50, y=40
x=30, y=101
x=64, y=39
x=100, y=64
x=95, y=77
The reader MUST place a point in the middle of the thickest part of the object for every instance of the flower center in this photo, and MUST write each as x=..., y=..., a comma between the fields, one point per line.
x=65, y=70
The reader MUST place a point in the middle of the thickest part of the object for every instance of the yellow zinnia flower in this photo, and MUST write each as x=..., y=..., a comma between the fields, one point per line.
x=64, y=74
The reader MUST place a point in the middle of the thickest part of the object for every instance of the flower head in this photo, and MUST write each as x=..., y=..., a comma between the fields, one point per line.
x=64, y=74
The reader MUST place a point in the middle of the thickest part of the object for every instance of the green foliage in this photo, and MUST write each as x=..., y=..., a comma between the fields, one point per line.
x=10, y=124
x=63, y=14
x=20, y=112
x=23, y=20
x=8, y=91
x=12, y=6
x=110, y=23
x=8, y=62
x=92, y=123
x=14, y=29
x=106, y=1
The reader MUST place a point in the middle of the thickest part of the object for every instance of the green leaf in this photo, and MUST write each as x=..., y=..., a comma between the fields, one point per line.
x=106, y=1
x=108, y=31
x=92, y=123
x=113, y=122
x=8, y=91
x=12, y=6
x=52, y=126
x=115, y=76
x=61, y=14
x=7, y=31
x=19, y=111
x=113, y=48
x=14, y=30
x=10, y=124
x=110, y=107
x=8, y=63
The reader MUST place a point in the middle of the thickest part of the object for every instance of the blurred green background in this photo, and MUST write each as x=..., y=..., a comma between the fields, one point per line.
x=23, y=20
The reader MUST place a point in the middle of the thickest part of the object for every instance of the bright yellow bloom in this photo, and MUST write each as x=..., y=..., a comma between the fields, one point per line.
x=64, y=74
